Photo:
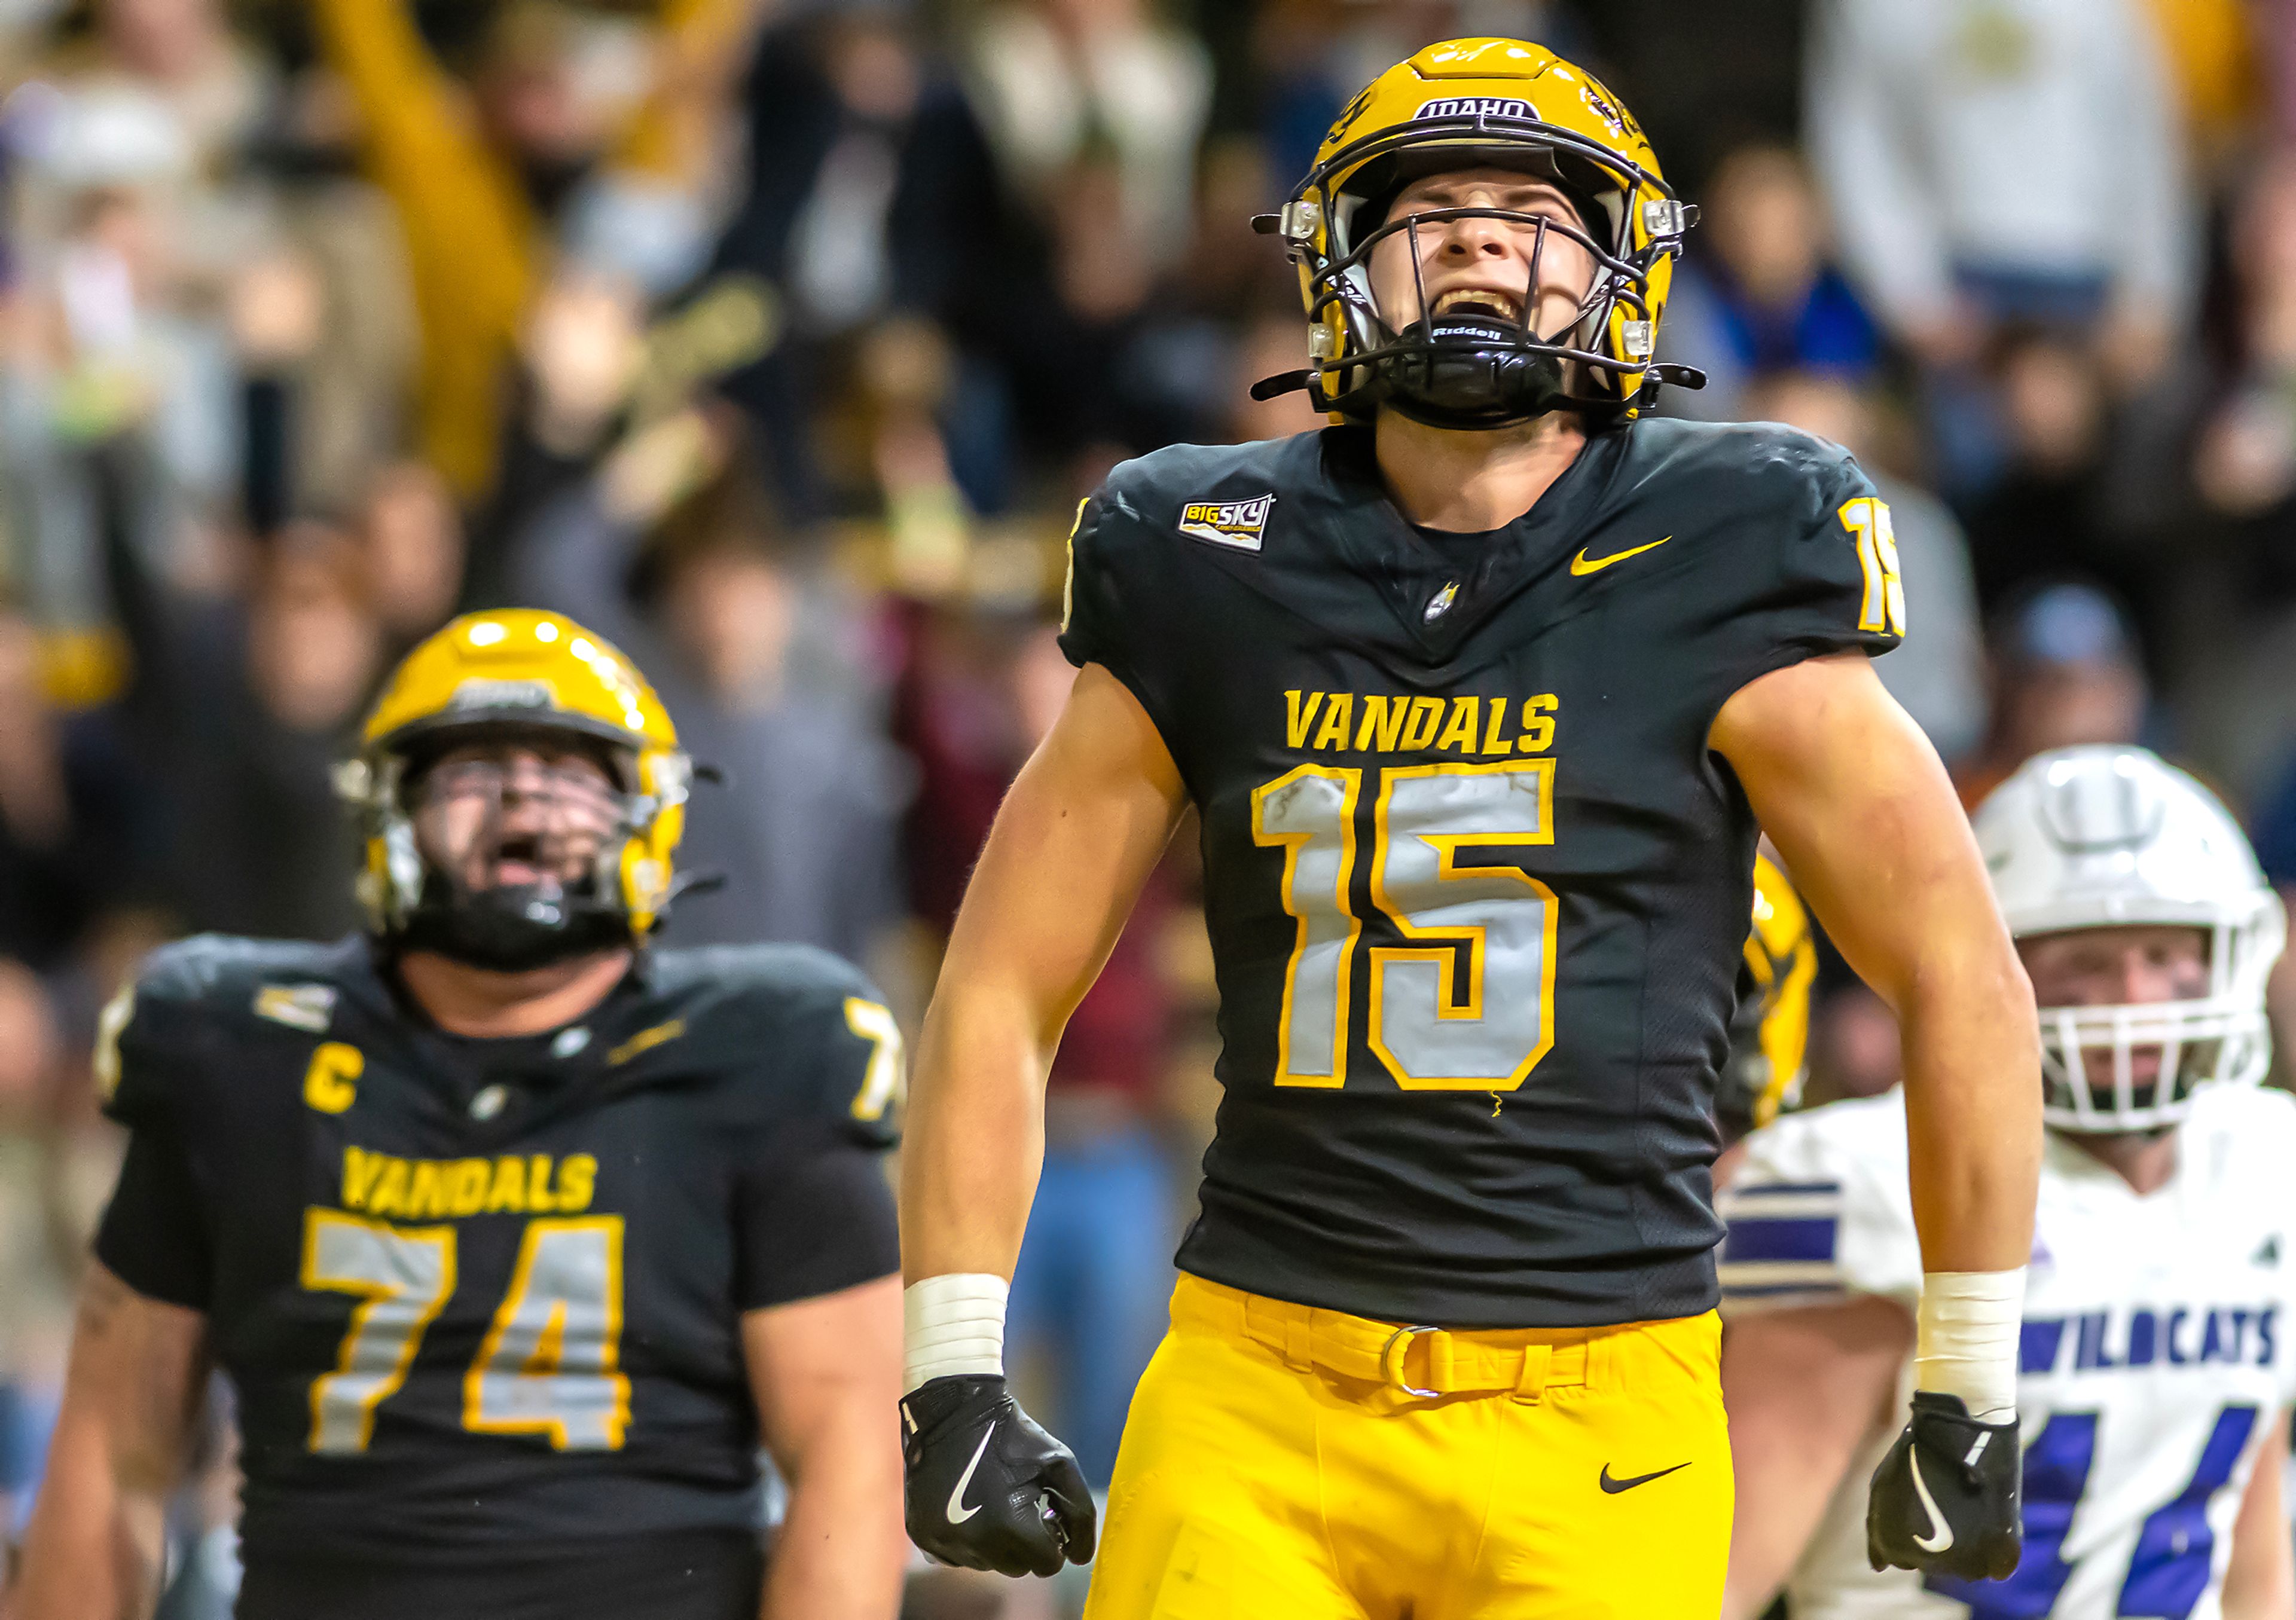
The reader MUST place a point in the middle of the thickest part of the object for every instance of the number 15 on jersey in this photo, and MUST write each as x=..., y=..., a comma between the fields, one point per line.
x=1464, y=998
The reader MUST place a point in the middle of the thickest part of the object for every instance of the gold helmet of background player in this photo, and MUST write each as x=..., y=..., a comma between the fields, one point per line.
x=511, y=675
x=1483, y=104
x=1769, y=1036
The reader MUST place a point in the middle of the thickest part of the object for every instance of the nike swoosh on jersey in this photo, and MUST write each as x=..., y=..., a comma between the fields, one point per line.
x=1940, y=1536
x=957, y=1511
x=1611, y=1487
x=1583, y=564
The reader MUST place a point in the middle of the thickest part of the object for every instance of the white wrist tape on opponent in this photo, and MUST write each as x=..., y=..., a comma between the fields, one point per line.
x=1965, y=1341
x=952, y=1325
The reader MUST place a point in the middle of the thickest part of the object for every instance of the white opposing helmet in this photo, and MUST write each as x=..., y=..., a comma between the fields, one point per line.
x=2105, y=836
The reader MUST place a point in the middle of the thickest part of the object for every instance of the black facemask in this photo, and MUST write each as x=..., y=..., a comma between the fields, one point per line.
x=512, y=928
x=1470, y=372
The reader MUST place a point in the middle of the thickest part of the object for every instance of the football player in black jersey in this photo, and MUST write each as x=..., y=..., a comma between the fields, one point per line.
x=515, y=1237
x=1769, y=1029
x=1480, y=693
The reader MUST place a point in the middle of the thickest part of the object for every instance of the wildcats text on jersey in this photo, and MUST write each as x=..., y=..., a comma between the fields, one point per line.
x=2178, y=1336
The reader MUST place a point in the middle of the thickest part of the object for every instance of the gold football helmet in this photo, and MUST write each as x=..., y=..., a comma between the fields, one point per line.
x=1483, y=104
x=595, y=863
x=1769, y=1037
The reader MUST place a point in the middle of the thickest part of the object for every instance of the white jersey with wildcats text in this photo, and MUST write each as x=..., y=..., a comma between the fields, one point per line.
x=2159, y=1342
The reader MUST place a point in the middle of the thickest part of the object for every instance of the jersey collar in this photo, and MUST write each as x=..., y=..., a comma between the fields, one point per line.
x=1411, y=572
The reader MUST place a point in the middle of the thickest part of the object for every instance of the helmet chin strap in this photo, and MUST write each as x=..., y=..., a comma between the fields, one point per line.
x=1359, y=400
x=1466, y=375
x=513, y=928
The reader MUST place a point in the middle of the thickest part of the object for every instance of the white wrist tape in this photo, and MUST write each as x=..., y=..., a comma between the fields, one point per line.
x=951, y=1325
x=1965, y=1341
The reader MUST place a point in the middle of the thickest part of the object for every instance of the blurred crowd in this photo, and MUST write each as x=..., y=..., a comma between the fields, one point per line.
x=777, y=340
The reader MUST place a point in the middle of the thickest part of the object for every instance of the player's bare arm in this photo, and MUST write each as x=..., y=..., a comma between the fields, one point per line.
x=1076, y=836
x=1854, y=798
x=2260, y=1577
x=96, y=1547
x=1806, y=1390
x=825, y=1373
x=1859, y=803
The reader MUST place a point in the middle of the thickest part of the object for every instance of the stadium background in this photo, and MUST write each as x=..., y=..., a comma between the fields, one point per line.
x=777, y=340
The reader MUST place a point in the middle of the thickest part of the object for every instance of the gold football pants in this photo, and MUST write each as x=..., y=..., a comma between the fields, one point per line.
x=1284, y=1463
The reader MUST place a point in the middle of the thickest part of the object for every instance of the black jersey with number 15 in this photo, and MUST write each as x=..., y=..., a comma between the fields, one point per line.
x=1477, y=887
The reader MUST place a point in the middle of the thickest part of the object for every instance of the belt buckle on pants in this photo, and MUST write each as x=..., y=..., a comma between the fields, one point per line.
x=1438, y=1360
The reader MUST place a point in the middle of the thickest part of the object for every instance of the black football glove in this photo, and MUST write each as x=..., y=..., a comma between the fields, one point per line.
x=986, y=1487
x=1946, y=1499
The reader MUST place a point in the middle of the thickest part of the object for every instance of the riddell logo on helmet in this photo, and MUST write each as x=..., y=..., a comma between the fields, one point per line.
x=1478, y=106
x=1236, y=523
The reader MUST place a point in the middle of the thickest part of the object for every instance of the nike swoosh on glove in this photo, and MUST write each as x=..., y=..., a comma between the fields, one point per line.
x=1946, y=1499
x=986, y=1487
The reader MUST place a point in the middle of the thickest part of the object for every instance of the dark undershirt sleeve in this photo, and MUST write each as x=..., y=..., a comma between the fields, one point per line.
x=153, y=1237
x=812, y=1223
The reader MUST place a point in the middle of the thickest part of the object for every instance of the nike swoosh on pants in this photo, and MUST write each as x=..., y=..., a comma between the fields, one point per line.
x=1611, y=1487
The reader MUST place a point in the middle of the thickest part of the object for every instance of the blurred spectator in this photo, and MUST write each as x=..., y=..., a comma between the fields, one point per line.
x=881, y=192
x=1937, y=671
x=35, y=1282
x=1309, y=56
x=803, y=828
x=1087, y=1302
x=2214, y=54
x=243, y=707
x=477, y=172
x=881, y=197
x=2244, y=462
x=1854, y=1047
x=1272, y=343
x=2064, y=671
x=1115, y=364
x=108, y=361
x=411, y=540
x=324, y=336
x=179, y=233
x=2043, y=513
x=1229, y=273
x=650, y=210
x=2014, y=161
x=2276, y=31
x=463, y=205
x=76, y=825
x=1760, y=294
x=183, y=53
x=2274, y=829
x=1060, y=81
